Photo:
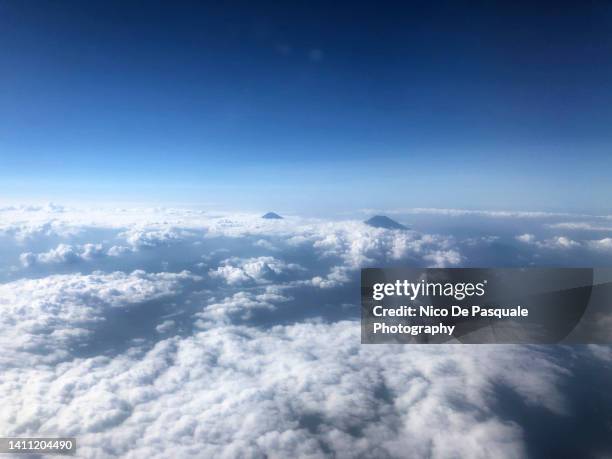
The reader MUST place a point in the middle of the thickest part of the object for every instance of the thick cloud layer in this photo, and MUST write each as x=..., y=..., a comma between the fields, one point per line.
x=179, y=333
x=300, y=391
x=43, y=319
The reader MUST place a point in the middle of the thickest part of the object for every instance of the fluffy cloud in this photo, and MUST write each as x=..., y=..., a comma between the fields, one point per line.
x=354, y=242
x=557, y=242
x=207, y=382
x=140, y=238
x=236, y=271
x=604, y=244
x=306, y=390
x=359, y=244
x=526, y=238
x=66, y=253
x=25, y=231
x=265, y=244
x=242, y=304
x=443, y=258
x=337, y=276
x=46, y=317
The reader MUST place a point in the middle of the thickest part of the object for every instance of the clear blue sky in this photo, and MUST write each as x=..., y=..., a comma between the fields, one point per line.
x=307, y=106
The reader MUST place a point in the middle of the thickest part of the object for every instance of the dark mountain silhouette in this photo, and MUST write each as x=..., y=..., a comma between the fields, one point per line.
x=272, y=216
x=381, y=221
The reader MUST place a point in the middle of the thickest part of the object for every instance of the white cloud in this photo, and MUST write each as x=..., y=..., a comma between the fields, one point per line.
x=476, y=213
x=265, y=244
x=118, y=250
x=337, y=276
x=443, y=258
x=526, y=238
x=300, y=390
x=49, y=207
x=604, y=244
x=47, y=316
x=355, y=243
x=557, y=242
x=66, y=253
x=359, y=244
x=242, y=304
x=601, y=352
x=25, y=231
x=563, y=242
x=140, y=238
x=584, y=226
x=260, y=270
x=165, y=326
x=306, y=390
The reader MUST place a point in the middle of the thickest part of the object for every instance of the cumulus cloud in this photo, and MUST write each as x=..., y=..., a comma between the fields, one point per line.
x=353, y=242
x=140, y=238
x=118, y=250
x=564, y=242
x=242, y=304
x=443, y=258
x=338, y=275
x=526, y=238
x=557, y=242
x=66, y=253
x=359, y=244
x=25, y=231
x=604, y=244
x=265, y=244
x=305, y=390
x=207, y=382
x=260, y=270
x=47, y=316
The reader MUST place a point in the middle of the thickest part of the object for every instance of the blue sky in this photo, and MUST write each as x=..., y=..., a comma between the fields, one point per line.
x=310, y=108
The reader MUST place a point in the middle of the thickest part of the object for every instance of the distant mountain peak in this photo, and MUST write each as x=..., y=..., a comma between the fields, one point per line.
x=382, y=221
x=272, y=216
